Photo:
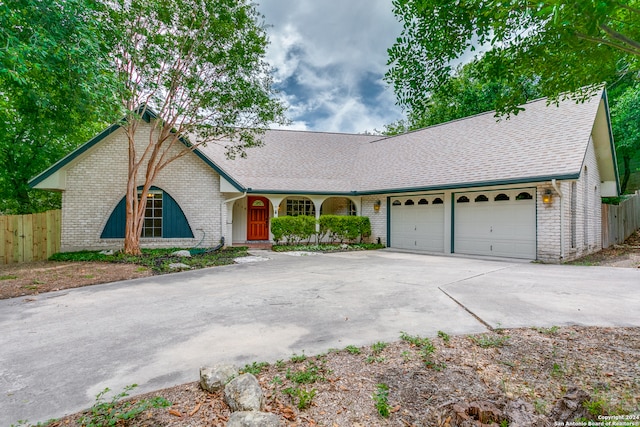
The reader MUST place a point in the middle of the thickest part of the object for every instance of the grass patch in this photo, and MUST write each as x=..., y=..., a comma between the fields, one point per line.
x=255, y=368
x=381, y=399
x=352, y=349
x=117, y=412
x=157, y=260
x=8, y=277
x=327, y=247
x=548, y=331
x=487, y=341
x=310, y=374
x=303, y=396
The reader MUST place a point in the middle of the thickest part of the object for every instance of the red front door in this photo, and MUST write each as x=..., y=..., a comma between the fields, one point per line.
x=258, y=219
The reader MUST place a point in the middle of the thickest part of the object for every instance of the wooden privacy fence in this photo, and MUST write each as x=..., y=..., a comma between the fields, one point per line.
x=620, y=221
x=32, y=237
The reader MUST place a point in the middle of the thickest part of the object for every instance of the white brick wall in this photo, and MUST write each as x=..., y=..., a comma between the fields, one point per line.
x=587, y=216
x=378, y=219
x=96, y=182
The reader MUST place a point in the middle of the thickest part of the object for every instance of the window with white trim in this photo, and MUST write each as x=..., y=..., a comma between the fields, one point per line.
x=152, y=224
x=296, y=207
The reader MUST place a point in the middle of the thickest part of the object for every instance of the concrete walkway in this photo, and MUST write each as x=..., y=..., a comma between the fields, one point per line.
x=58, y=350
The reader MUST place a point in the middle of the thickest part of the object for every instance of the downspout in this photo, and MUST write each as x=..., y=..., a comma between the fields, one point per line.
x=224, y=206
x=554, y=184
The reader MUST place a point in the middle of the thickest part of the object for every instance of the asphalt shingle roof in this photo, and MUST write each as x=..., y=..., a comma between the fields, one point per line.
x=541, y=142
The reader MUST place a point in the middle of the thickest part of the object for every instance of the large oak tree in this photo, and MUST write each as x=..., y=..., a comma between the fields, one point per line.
x=54, y=92
x=565, y=46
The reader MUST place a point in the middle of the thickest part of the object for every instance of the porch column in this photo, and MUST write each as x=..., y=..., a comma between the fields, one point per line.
x=317, y=202
x=275, y=202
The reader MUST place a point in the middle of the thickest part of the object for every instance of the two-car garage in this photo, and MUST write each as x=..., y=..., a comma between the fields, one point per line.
x=496, y=223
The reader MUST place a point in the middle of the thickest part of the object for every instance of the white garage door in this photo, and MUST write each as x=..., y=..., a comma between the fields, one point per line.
x=498, y=223
x=417, y=222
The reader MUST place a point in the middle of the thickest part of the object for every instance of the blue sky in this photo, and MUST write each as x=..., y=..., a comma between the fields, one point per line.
x=329, y=58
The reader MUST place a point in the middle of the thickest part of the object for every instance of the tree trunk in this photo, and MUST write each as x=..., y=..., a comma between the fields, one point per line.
x=626, y=161
x=132, y=230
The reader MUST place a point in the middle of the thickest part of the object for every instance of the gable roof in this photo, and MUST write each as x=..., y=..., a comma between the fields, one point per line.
x=540, y=143
x=296, y=161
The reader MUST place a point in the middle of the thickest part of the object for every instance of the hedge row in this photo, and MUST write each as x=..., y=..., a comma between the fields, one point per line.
x=335, y=228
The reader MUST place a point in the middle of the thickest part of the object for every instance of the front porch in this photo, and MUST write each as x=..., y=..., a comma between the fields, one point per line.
x=248, y=216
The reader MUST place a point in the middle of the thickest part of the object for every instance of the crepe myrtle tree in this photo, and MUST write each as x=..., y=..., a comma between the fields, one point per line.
x=199, y=66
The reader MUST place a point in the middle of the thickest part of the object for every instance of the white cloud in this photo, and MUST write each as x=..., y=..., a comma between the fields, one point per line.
x=329, y=58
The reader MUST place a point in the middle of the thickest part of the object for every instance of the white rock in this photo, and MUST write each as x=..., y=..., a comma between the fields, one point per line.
x=178, y=266
x=216, y=377
x=183, y=253
x=253, y=258
x=253, y=419
x=243, y=393
x=300, y=253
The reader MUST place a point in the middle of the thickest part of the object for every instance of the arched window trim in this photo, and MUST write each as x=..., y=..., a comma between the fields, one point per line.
x=423, y=202
x=501, y=197
x=524, y=196
x=174, y=223
x=462, y=199
x=481, y=198
x=409, y=202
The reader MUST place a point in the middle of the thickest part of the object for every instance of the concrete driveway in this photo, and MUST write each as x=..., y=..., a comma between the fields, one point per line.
x=58, y=350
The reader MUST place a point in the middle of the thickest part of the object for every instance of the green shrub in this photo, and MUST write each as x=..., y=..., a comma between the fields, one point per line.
x=293, y=229
x=342, y=228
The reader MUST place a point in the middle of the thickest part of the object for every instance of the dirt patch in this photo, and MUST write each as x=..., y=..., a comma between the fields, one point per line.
x=532, y=376
x=626, y=255
x=33, y=278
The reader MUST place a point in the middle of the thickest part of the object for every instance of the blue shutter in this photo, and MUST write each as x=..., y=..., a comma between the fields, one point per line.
x=174, y=222
x=114, y=229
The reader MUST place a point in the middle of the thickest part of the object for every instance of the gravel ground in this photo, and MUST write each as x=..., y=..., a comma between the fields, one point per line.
x=505, y=376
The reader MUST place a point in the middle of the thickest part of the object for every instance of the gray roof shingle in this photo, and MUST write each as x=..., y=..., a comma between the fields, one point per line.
x=542, y=142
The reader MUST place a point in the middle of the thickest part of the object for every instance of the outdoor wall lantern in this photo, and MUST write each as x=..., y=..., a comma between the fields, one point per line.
x=547, y=197
x=376, y=205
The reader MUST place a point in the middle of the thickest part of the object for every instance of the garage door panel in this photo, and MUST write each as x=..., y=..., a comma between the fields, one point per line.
x=495, y=227
x=417, y=226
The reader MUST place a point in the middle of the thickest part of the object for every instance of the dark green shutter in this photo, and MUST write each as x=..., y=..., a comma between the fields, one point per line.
x=174, y=222
x=114, y=229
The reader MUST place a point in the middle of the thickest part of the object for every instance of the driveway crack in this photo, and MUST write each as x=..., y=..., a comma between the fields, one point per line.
x=475, y=316
x=464, y=307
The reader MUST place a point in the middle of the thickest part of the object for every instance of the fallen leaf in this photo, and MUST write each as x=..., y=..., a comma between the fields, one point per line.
x=196, y=409
x=175, y=413
x=395, y=409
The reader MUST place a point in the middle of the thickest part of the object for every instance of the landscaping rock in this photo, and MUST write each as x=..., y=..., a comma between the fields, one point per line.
x=571, y=406
x=253, y=419
x=215, y=378
x=183, y=253
x=522, y=414
x=251, y=258
x=243, y=393
x=178, y=266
